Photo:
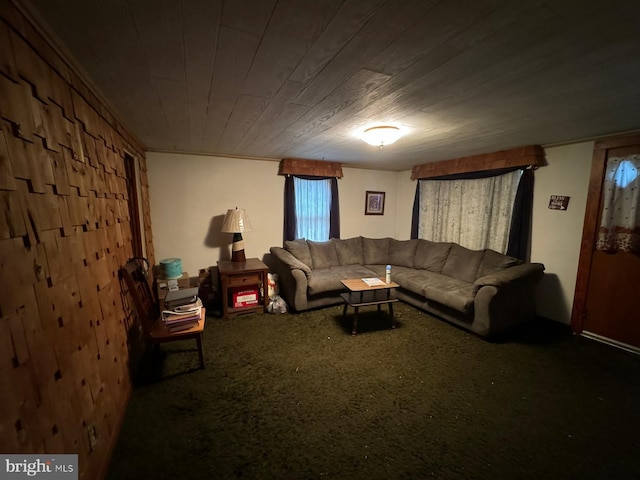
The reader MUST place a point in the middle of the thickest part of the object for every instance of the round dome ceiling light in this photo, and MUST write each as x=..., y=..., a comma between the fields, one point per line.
x=381, y=136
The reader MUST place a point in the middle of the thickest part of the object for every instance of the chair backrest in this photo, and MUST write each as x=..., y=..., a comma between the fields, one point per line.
x=140, y=293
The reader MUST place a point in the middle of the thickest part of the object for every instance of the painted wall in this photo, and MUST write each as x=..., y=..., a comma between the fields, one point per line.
x=353, y=188
x=190, y=194
x=557, y=234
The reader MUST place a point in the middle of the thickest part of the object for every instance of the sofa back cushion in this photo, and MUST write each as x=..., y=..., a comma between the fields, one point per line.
x=493, y=261
x=402, y=252
x=375, y=251
x=323, y=254
x=431, y=255
x=300, y=250
x=462, y=263
x=349, y=250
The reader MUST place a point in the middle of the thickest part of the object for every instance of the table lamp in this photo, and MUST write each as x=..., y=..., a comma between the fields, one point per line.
x=236, y=221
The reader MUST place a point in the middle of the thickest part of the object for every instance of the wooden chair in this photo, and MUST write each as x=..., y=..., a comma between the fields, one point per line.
x=147, y=308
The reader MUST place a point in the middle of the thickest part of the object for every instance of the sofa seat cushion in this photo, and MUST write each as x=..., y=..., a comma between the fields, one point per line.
x=324, y=280
x=381, y=270
x=453, y=293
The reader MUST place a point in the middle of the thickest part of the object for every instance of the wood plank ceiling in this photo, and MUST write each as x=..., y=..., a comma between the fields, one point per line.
x=294, y=78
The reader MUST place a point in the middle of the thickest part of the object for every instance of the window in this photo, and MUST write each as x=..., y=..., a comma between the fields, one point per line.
x=624, y=171
x=311, y=208
x=489, y=209
x=620, y=221
x=444, y=214
x=474, y=213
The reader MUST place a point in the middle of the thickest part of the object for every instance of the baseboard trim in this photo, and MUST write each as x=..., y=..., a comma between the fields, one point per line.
x=609, y=341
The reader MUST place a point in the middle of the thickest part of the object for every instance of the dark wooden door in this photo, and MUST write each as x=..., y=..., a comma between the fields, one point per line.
x=613, y=290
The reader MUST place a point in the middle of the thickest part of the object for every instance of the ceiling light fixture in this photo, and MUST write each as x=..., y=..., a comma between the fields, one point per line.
x=381, y=136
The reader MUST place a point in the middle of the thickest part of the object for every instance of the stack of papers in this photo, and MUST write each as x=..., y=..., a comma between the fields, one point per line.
x=373, y=281
x=183, y=316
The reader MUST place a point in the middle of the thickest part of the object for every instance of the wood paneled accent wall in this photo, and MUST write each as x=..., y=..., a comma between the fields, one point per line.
x=64, y=231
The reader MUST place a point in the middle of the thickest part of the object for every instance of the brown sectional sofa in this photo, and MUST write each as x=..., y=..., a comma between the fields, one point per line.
x=480, y=290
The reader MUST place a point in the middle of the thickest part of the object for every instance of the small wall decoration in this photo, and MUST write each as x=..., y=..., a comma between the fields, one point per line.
x=374, y=203
x=558, y=202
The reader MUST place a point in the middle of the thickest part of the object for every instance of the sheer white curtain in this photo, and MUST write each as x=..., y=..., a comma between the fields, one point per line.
x=620, y=223
x=313, y=208
x=473, y=213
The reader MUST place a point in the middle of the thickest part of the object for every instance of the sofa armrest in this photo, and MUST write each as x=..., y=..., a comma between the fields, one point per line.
x=292, y=278
x=511, y=274
x=285, y=257
x=506, y=299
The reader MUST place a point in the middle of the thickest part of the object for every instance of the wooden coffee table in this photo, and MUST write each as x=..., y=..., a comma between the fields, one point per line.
x=361, y=294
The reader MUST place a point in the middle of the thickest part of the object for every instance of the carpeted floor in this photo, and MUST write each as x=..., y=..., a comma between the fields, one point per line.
x=298, y=397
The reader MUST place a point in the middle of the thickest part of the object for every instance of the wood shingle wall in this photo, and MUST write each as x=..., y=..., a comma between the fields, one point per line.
x=64, y=232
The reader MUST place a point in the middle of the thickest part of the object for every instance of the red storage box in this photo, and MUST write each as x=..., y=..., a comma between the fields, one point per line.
x=245, y=297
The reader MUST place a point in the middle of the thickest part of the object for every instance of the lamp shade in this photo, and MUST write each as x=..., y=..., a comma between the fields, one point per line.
x=236, y=221
x=381, y=136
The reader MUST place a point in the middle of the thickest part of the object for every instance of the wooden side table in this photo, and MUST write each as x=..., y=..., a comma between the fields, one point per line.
x=250, y=273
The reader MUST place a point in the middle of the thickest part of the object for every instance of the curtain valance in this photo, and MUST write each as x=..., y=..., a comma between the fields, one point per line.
x=532, y=155
x=311, y=168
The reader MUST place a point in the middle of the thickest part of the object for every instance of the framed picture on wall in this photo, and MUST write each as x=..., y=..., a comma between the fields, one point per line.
x=374, y=203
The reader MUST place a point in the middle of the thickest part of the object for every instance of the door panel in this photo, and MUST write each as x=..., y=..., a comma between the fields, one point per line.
x=613, y=297
x=613, y=292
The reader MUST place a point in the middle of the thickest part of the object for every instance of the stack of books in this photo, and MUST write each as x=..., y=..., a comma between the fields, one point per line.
x=182, y=309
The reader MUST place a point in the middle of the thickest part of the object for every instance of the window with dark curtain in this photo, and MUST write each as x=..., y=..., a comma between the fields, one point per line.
x=311, y=208
x=519, y=230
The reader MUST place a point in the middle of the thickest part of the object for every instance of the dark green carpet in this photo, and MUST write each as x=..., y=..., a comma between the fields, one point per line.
x=296, y=397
